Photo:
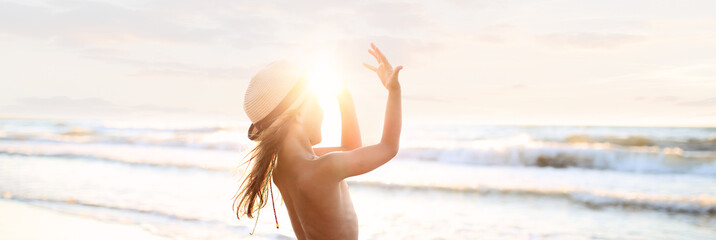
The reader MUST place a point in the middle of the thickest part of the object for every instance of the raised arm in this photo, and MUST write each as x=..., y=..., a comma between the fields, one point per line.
x=365, y=159
x=350, y=132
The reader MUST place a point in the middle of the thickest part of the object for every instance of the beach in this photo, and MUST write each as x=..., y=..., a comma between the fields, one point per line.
x=22, y=220
x=447, y=182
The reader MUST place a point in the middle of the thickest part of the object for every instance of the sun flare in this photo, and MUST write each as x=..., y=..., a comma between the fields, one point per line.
x=326, y=83
x=324, y=80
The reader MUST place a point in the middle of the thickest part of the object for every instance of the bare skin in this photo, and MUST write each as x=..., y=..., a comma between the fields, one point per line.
x=312, y=180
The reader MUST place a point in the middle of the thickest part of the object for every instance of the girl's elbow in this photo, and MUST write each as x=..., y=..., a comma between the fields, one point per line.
x=352, y=146
x=357, y=144
x=392, y=151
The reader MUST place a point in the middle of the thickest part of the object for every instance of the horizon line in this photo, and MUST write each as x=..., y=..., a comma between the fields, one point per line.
x=462, y=123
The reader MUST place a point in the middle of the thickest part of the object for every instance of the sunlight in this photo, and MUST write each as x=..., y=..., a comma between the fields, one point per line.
x=326, y=83
x=324, y=79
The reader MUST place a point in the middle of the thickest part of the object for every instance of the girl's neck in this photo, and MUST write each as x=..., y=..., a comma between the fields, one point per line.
x=296, y=144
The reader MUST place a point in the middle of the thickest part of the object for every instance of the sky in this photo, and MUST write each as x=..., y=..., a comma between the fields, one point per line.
x=643, y=63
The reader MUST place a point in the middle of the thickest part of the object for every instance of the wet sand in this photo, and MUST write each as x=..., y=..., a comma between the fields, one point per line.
x=24, y=221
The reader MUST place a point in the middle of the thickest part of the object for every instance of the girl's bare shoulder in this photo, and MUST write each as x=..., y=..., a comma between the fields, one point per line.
x=327, y=167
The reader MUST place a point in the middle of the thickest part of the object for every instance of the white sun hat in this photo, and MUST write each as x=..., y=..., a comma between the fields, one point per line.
x=280, y=86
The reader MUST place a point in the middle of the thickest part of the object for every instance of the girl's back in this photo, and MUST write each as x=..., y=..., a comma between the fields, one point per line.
x=305, y=189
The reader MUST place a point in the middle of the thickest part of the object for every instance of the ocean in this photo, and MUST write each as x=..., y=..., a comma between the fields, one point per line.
x=177, y=180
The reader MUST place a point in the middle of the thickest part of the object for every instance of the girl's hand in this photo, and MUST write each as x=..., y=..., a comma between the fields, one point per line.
x=388, y=76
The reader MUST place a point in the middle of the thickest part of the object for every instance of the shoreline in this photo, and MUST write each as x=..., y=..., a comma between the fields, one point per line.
x=25, y=221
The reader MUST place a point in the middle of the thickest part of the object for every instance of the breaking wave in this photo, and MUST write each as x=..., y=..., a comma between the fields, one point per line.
x=563, y=155
x=700, y=205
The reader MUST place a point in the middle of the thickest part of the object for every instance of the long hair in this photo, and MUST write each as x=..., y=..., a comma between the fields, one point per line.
x=253, y=192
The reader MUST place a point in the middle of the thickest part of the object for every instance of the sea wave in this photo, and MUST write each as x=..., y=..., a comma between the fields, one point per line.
x=214, y=140
x=528, y=153
x=228, y=137
x=690, y=144
x=232, y=136
x=694, y=205
x=581, y=155
x=699, y=205
x=235, y=140
x=215, y=160
x=113, y=159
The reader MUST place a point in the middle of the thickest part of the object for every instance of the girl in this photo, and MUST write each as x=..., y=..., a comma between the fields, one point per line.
x=286, y=123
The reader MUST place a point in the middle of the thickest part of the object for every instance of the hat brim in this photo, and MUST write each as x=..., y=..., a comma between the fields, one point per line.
x=253, y=132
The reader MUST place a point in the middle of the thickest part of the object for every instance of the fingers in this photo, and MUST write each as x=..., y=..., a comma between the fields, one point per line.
x=374, y=69
x=382, y=61
x=379, y=54
x=374, y=55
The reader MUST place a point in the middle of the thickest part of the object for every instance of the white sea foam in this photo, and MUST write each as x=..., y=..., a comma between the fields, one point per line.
x=629, y=149
x=693, y=194
x=144, y=155
x=184, y=191
x=521, y=150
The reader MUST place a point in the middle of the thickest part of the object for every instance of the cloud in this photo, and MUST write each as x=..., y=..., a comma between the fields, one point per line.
x=400, y=50
x=519, y=86
x=591, y=40
x=244, y=24
x=700, y=74
x=469, y=4
x=152, y=68
x=666, y=98
x=64, y=107
x=709, y=114
x=159, y=69
x=394, y=16
x=704, y=102
x=498, y=33
x=224, y=74
x=79, y=23
x=114, y=33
